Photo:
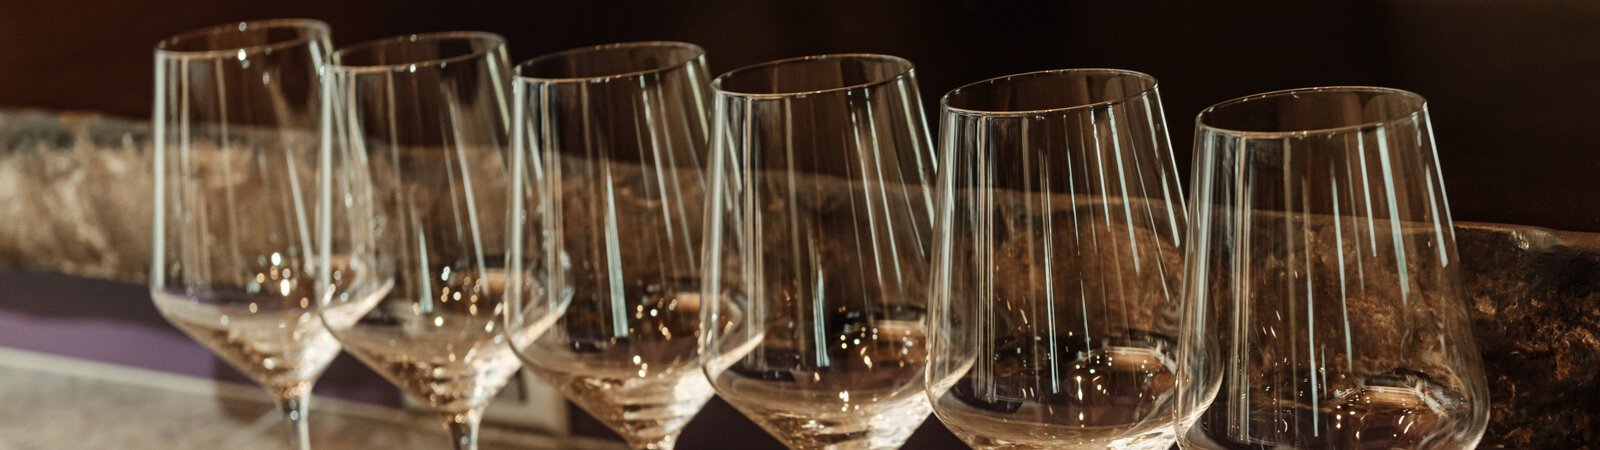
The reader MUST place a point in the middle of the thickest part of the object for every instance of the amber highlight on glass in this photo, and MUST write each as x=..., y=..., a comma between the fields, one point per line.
x=613, y=139
x=236, y=110
x=1323, y=300
x=420, y=189
x=1058, y=255
x=817, y=249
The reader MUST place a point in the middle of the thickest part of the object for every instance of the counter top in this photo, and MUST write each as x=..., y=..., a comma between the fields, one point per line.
x=59, y=402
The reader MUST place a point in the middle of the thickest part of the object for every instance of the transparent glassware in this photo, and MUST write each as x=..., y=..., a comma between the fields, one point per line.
x=818, y=248
x=1323, y=302
x=615, y=136
x=236, y=109
x=418, y=187
x=1057, y=262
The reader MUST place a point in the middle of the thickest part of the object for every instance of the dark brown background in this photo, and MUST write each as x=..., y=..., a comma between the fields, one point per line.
x=1512, y=83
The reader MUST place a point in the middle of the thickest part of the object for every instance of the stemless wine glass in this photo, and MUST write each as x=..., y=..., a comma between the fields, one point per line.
x=236, y=109
x=1057, y=257
x=416, y=136
x=817, y=248
x=1323, y=302
x=615, y=136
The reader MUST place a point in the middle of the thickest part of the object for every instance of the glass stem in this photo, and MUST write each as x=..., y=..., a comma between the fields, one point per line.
x=294, y=408
x=463, y=428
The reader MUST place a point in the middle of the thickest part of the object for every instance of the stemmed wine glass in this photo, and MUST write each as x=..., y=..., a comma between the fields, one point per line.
x=1057, y=263
x=817, y=249
x=418, y=188
x=615, y=136
x=236, y=109
x=1323, y=302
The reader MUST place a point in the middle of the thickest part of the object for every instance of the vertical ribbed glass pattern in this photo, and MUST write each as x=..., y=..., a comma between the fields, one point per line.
x=416, y=136
x=234, y=260
x=818, y=246
x=1323, y=301
x=612, y=140
x=1058, y=257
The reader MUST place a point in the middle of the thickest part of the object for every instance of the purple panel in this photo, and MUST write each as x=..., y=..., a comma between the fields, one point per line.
x=116, y=323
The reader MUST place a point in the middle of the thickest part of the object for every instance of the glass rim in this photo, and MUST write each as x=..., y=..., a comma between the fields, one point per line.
x=905, y=72
x=944, y=101
x=496, y=40
x=1201, y=125
x=697, y=53
x=320, y=28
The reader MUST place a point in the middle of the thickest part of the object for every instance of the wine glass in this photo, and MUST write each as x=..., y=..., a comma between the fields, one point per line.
x=1323, y=302
x=236, y=110
x=817, y=249
x=1057, y=257
x=615, y=136
x=418, y=189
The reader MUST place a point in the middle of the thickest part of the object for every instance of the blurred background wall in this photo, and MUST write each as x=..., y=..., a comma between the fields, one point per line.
x=1513, y=84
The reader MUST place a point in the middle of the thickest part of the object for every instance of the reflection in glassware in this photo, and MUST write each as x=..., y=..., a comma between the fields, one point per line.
x=614, y=137
x=819, y=237
x=235, y=141
x=1323, y=307
x=417, y=187
x=1057, y=262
